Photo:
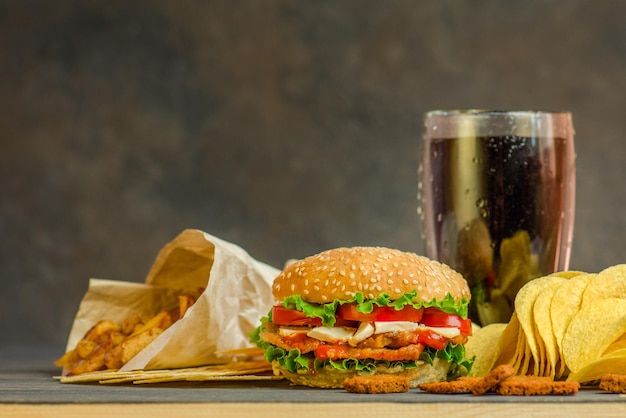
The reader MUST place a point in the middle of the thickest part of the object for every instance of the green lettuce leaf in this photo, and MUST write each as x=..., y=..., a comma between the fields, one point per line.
x=326, y=311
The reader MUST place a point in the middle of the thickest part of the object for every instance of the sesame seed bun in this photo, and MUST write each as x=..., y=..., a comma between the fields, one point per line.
x=340, y=273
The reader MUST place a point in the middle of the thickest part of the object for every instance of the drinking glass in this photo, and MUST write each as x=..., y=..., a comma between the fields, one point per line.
x=496, y=197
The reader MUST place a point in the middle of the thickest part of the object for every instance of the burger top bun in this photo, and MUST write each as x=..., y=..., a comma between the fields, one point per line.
x=340, y=273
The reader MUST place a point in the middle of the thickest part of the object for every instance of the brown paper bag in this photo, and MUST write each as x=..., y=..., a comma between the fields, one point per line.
x=237, y=293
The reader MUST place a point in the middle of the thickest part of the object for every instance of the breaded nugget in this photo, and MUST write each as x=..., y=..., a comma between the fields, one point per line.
x=461, y=385
x=615, y=383
x=535, y=386
x=377, y=384
x=491, y=379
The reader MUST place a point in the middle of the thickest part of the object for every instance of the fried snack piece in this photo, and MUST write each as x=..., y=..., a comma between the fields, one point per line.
x=535, y=385
x=377, y=384
x=460, y=385
x=492, y=379
x=474, y=385
x=109, y=345
x=615, y=383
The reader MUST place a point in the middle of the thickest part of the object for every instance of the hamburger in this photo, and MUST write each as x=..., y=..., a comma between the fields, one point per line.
x=366, y=311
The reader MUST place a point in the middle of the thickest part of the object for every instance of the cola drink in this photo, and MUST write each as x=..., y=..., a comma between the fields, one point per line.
x=497, y=193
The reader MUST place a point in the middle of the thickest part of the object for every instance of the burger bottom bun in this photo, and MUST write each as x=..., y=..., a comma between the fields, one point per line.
x=330, y=377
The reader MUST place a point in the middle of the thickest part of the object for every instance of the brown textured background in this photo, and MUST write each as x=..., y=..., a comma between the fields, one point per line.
x=286, y=127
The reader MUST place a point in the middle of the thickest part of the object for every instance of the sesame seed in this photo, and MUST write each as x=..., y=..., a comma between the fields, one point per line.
x=293, y=287
x=277, y=287
x=324, y=297
x=342, y=273
x=405, y=281
x=306, y=292
x=390, y=274
x=306, y=282
x=398, y=291
x=316, y=288
x=379, y=288
x=371, y=296
x=289, y=275
x=415, y=282
x=390, y=281
x=373, y=280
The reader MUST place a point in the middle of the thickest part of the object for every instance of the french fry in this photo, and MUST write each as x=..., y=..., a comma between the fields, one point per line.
x=184, y=303
x=137, y=342
x=109, y=345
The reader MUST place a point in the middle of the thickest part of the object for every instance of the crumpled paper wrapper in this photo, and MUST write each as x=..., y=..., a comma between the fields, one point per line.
x=237, y=293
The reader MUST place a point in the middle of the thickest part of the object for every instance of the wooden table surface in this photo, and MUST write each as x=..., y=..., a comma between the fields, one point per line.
x=27, y=389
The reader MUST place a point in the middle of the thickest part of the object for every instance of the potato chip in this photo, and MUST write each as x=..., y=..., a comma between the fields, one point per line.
x=524, y=303
x=609, y=283
x=508, y=342
x=594, y=371
x=565, y=304
x=546, y=343
x=569, y=274
x=484, y=345
x=616, y=346
x=592, y=330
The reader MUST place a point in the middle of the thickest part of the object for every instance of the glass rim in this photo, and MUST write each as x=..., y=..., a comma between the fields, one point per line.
x=495, y=112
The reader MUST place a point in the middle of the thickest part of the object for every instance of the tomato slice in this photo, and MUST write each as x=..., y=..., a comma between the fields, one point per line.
x=284, y=316
x=432, y=339
x=349, y=312
x=434, y=317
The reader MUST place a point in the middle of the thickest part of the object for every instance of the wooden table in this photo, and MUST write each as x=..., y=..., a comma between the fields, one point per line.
x=27, y=389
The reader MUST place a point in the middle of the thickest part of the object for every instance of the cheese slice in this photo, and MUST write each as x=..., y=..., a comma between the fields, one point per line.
x=394, y=326
x=331, y=334
x=448, y=332
x=365, y=330
x=291, y=331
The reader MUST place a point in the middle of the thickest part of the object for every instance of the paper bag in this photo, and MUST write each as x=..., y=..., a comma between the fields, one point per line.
x=237, y=293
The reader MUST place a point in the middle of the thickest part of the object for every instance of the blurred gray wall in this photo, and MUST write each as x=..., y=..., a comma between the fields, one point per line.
x=286, y=127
